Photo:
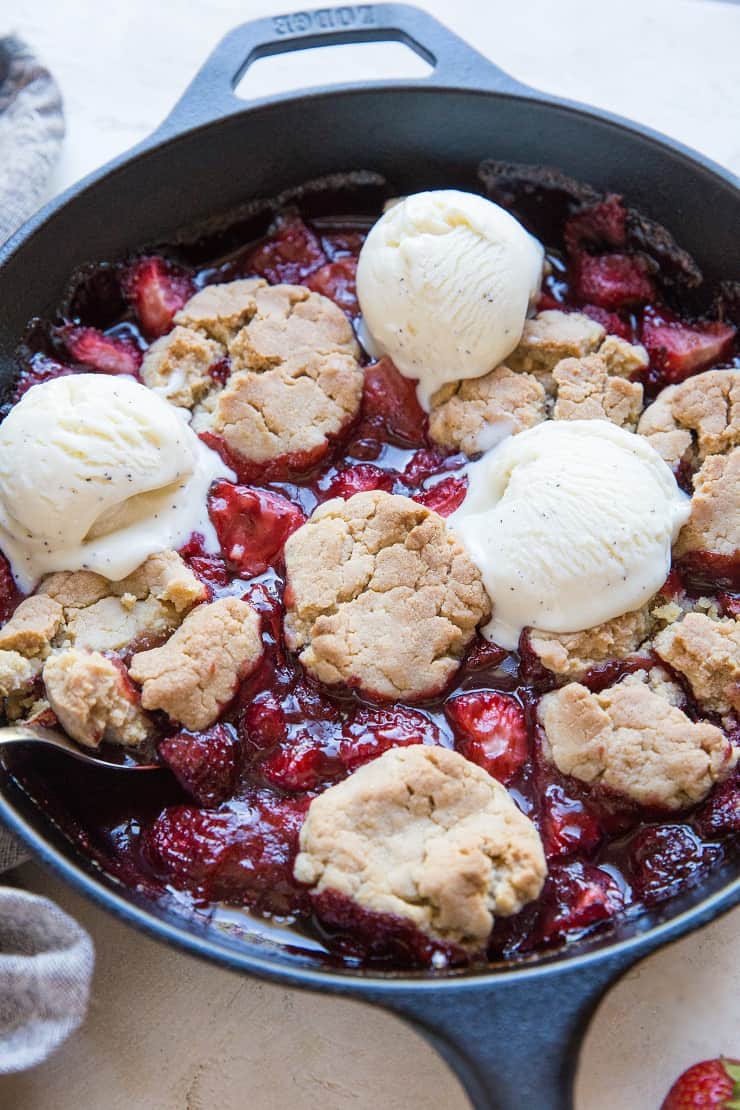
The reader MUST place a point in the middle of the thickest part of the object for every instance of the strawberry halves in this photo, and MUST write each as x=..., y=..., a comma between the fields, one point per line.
x=679, y=349
x=709, y=1085
x=156, y=289
x=107, y=354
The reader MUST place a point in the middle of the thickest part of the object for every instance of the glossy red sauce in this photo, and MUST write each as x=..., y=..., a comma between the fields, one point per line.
x=221, y=825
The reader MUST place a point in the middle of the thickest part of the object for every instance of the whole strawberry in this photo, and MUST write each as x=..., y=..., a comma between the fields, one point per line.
x=710, y=1084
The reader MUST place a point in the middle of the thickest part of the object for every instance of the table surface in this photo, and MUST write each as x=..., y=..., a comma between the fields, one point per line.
x=164, y=1031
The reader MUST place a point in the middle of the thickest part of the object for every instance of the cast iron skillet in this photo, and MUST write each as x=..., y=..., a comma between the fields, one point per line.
x=512, y=1032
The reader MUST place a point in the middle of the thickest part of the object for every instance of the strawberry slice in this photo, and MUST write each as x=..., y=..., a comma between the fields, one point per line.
x=336, y=280
x=612, y=280
x=709, y=1085
x=390, y=400
x=290, y=254
x=359, y=479
x=252, y=525
x=9, y=595
x=610, y=322
x=157, y=289
x=491, y=731
x=444, y=497
x=204, y=763
x=207, y=567
x=576, y=896
x=107, y=354
x=567, y=826
x=680, y=349
x=40, y=368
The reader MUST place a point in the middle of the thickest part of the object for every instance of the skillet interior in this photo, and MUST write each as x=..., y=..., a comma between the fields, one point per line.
x=417, y=138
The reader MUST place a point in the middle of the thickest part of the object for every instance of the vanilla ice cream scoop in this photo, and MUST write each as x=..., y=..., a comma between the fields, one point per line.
x=99, y=472
x=444, y=281
x=571, y=523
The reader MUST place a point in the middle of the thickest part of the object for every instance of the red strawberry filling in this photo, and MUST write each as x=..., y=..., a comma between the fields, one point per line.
x=491, y=731
x=252, y=525
x=678, y=349
x=156, y=289
x=666, y=858
x=359, y=479
x=612, y=281
x=204, y=763
x=243, y=852
x=97, y=351
x=289, y=254
x=336, y=280
x=390, y=404
x=444, y=497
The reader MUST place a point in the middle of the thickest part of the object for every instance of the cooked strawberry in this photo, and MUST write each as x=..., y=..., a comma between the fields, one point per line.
x=106, y=353
x=370, y=732
x=707, y=571
x=610, y=322
x=491, y=731
x=9, y=594
x=204, y=763
x=243, y=852
x=336, y=280
x=290, y=254
x=567, y=825
x=709, y=1085
x=205, y=565
x=390, y=401
x=576, y=896
x=358, y=479
x=612, y=280
x=424, y=464
x=40, y=368
x=483, y=653
x=665, y=858
x=599, y=225
x=444, y=497
x=157, y=289
x=680, y=349
x=729, y=604
x=252, y=524
x=719, y=815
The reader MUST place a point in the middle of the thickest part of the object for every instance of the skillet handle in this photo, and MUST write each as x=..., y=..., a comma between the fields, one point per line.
x=513, y=1044
x=210, y=95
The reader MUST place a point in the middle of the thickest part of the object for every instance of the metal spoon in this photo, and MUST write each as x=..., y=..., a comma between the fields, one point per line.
x=12, y=735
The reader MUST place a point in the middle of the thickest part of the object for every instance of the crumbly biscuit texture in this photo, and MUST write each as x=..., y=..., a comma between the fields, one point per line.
x=586, y=390
x=699, y=417
x=196, y=672
x=94, y=701
x=33, y=626
x=105, y=616
x=478, y=411
x=551, y=336
x=571, y=653
x=219, y=311
x=295, y=383
x=425, y=835
x=707, y=653
x=178, y=366
x=632, y=740
x=714, y=524
x=380, y=596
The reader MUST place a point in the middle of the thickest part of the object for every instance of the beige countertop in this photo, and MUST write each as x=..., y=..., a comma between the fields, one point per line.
x=166, y=1032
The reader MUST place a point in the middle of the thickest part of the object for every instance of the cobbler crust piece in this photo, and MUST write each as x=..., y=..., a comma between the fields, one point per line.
x=551, y=336
x=178, y=365
x=571, y=653
x=295, y=383
x=562, y=355
x=105, y=616
x=194, y=675
x=465, y=413
x=33, y=626
x=587, y=391
x=94, y=701
x=425, y=835
x=714, y=524
x=632, y=740
x=380, y=596
x=699, y=417
x=221, y=310
x=707, y=653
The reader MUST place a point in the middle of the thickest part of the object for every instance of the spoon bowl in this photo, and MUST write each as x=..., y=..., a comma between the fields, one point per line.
x=114, y=759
